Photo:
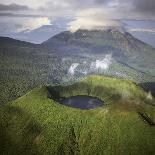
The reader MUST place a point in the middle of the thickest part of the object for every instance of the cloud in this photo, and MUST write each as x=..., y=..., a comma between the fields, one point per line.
x=149, y=96
x=30, y=3
x=121, y=8
x=115, y=9
x=112, y=9
x=92, y=19
x=14, y=25
x=146, y=6
x=102, y=64
x=142, y=30
x=65, y=7
x=13, y=7
x=72, y=68
x=34, y=24
x=85, y=14
x=6, y=14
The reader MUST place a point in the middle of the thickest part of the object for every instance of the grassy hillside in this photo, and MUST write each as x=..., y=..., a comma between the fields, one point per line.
x=37, y=124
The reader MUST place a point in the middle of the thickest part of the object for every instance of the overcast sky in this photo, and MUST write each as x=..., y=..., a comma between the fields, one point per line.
x=17, y=16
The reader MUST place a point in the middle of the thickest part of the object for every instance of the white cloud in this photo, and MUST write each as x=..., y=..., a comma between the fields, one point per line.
x=102, y=64
x=31, y=3
x=149, y=96
x=72, y=68
x=94, y=18
x=35, y=23
x=87, y=14
x=18, y=24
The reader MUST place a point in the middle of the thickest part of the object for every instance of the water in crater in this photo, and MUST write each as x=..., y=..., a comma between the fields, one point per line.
x=82, y=102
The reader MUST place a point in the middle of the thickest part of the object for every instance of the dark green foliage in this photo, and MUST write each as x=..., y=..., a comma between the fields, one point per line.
x=70, y=145
x=36, y=124
x=16, y=123
x=149, y=87
x=147, y=119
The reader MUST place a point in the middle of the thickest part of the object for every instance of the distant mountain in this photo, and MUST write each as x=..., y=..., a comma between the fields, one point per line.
x=123, y=47
x=7, y=41
x=67, y=57
x=40, y=34
x=44, y=32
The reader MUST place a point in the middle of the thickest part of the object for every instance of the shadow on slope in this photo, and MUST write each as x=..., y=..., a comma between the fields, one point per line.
x=148, y=87
x=19, y=133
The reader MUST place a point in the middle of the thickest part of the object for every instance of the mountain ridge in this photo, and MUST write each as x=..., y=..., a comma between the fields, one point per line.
x=4, y=40
x=84, y=31
x=123, y=46
x=72, y=56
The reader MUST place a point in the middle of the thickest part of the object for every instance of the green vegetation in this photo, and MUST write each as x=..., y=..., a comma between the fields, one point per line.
x=37, y=124
x=110, y=90
x=24, y=66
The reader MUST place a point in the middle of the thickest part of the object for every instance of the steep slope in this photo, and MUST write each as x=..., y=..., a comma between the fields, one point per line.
x=13, y=42
x=123, y=47
x=22, y=66
x=124, y=126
